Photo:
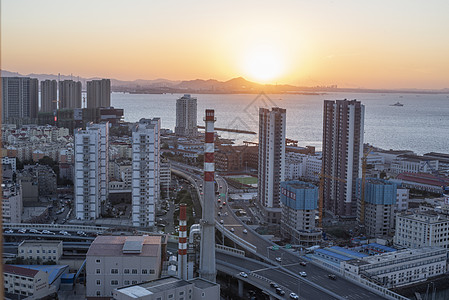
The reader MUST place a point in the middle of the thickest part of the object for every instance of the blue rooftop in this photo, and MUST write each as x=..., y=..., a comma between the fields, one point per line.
x=333, y=254
x=349, y=252
x=53, y=271
x=382, y=247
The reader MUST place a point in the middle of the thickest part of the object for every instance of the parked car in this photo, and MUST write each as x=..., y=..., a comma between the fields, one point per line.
x=47, y=232
x=32, y=230
x=23, y=230
x=9, y=231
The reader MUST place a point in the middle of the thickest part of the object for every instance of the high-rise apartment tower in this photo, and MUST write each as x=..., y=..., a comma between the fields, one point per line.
x=186, y=116
x=342, y=152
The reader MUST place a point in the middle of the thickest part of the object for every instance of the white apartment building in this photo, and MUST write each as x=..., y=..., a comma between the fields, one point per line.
x=12, y=203
x=145, y=171
x=421, y=229
x=186, y=116
x=10, y=161
x=295, y=165
x=413, y=164
x=116, y=261
x=271, y=169
x=91, y=170
x=402, y=199
x=313, y=167
x=399, y=268
x=28, y=283
x=40, y=250
x=170, y=288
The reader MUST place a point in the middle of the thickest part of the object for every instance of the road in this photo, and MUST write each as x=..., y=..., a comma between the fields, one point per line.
x=290, y=261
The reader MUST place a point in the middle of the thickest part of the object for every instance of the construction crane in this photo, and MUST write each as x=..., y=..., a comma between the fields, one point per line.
x=362, y=196
x=321, y=193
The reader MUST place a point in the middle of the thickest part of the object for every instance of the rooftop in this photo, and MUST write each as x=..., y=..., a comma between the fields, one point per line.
x=21, y=271
x=125, y=245
x=37, y=243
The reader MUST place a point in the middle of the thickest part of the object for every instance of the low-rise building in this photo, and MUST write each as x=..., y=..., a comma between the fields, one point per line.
x=170, y=288
x=40, y=250
x=299, y=202
x=25, y=283
x=400, y=267
x=421, y=229
x=402, y=198
x=115, y=261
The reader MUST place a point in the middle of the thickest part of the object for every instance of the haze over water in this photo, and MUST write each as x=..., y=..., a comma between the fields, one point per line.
x=421, y=125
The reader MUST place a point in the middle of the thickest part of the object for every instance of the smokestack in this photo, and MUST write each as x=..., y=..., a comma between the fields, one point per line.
x=182, y=245
x=207, y=255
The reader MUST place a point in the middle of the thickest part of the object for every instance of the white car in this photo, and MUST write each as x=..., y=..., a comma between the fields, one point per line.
x=221, y=221
x=23, y=230
x=34, y=231
x=243, y=274
x=293, y=296
x=245, y=231
x=9, y=231
x=232, y=229
x=47, y=232
x=303, y=274
x=278, y=259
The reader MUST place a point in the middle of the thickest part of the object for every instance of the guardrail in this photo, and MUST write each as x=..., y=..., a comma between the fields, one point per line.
x=229, y=250
x=236, y=239
x=84, y=228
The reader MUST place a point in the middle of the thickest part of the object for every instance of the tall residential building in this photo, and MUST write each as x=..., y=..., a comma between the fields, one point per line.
x=342, y=151
x=380, y=203
x=20, y=100
x=49, y=95
x=91, y=170
x=271, y=160
x=186, y=116
x=99, y=93
x=299, y=206
x=12, y=202
x=69, y=94
x=145, y=171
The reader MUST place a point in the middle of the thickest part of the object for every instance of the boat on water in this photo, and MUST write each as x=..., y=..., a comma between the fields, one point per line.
x=397, y=104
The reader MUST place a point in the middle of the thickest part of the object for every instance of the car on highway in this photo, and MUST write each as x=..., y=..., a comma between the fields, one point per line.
x=232, y=229
x=81, y=233
x=280, y=291
x=303, y=263
x=224, y=203
x=47, y=232
x=23, y=230
x=32, y=230
x=332, y=276
x=63, y=232
x=243, y=274
x=278, y=259
x=274, y=285
x=221, y=221
x=303, y=274
x=293, y=296
x=9, y=231
x=245, y=231
x=221, y=206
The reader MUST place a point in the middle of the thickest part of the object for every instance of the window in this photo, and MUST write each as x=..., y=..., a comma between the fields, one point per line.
x=152, y=271
x=170, y=296
x=134, y=271
x=43, y=257
x=144, y=271
x=134, y=281
x=126, y=271
x=98, y=293
x=114, y=271
x=43, y=251
x=97, y=261
x=97, y=271
x=37, y=251
x=54, y=251
x=98, y=282
x=114, y=282
x=126, y=282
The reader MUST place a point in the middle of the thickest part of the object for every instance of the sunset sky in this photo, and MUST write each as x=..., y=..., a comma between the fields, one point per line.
x=366, y=44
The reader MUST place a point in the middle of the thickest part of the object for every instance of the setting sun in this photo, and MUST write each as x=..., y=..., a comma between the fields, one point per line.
x=263, y=64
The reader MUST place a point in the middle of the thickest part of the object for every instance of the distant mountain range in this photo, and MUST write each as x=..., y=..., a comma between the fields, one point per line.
x=210, y=86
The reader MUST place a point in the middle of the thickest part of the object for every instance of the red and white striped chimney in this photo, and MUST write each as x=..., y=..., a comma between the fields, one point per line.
x=182, y=245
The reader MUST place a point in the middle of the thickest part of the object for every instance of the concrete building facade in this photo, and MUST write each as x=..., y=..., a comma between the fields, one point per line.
x=69, y=94
x=40, y=250
x=20, y=100
x=12, y=203
x=186, y=116
x=299, y=201
x=91, y=170
x=145, y=171
x=421, y=229
x=116, y=261
x=272, y=126
x=49, y=95
x=343, y=123
x=380, y=204
x=99, y=93
x=25, y=282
